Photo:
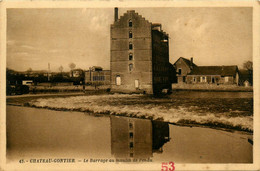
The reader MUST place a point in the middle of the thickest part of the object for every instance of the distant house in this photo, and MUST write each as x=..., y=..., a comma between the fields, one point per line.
x=183, y=67
x=97, y=76
x=214, y=75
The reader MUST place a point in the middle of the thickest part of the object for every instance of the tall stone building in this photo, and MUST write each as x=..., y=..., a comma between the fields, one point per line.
x=139, y=55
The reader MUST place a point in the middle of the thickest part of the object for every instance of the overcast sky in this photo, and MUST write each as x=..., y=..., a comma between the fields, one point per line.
x=212, y=36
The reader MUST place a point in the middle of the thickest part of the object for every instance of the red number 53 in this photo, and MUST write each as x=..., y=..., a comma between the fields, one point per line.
x=166, y=168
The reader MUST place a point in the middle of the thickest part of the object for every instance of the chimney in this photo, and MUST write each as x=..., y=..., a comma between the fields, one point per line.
x=191, y=61
x=116, y=14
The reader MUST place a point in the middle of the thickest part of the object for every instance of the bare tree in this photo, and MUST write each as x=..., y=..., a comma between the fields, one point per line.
x=72, y=66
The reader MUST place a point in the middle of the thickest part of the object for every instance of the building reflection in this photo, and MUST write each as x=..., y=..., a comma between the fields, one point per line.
x=137, y=138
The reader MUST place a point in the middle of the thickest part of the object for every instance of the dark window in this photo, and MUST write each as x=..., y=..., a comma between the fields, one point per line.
x=130, y=34
x=130, y=45
x=213, y=80
x=131, y=145
x=130, y=23
x=130, y=56
x=130, y=126
x=130, y=67
x=131, y=135
x=179, y=71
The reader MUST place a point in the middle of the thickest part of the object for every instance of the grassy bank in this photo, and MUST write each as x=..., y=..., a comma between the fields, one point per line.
x=211, y=88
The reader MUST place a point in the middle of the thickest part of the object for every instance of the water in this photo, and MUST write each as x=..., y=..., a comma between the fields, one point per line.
x=42, y=133
x=233, y=110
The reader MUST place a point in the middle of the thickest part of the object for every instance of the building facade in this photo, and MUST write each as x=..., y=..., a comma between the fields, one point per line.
x=97, y=76
x=214, y=75
x=183, y=67
x=139, y=55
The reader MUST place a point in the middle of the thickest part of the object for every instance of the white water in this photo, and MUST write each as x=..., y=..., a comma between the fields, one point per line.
x=137, y=106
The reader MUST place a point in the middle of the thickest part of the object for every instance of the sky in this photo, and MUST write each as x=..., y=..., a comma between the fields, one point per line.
x=212, y=36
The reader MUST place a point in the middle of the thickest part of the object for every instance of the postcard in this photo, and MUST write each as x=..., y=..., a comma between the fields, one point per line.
x=120, y=85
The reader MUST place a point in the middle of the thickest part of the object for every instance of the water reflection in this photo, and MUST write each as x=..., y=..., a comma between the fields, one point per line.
x=137, y=138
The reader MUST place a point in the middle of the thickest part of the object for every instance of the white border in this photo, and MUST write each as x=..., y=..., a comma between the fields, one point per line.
x=105, y=4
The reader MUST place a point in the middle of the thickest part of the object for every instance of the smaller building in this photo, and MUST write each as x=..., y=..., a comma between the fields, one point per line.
x=183, y=67
x=97, y=76
x=213, y=75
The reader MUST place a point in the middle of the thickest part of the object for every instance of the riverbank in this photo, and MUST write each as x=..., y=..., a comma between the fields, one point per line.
x=43, y=133
x=211, y=88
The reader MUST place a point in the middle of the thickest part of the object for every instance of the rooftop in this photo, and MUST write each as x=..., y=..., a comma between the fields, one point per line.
x=215, y=70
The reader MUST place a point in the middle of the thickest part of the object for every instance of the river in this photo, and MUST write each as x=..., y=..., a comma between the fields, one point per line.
x=43, y=133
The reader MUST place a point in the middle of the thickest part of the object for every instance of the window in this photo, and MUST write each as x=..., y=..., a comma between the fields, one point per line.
x=226, y=79
x=130, y=56
x=136, y=83
x=194, y=79
x=130, y=125
x=130, y=67
x=131, y=135
x=203, y=79
x=131, y=154
x=130, y=34
x=130, y=45
x=130, y=23
x=131, y=145
x=179, y=71
x=213, y=80
x=118, y=80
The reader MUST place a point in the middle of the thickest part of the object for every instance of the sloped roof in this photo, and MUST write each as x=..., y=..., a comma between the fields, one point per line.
x=215, y=70
x=77, y=69
x=187, y=61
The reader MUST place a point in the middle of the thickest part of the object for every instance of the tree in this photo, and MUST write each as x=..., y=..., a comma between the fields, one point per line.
x=72, y=66
x=248, y=65
x=61, y=68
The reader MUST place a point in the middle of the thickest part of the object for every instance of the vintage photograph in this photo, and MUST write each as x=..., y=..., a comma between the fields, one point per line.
x=119, y=85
